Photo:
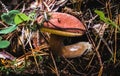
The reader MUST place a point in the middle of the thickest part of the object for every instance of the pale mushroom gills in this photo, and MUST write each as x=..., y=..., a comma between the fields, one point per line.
x=62, y=25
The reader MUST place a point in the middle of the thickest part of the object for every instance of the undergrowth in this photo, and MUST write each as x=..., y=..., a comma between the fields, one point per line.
x=24, y=49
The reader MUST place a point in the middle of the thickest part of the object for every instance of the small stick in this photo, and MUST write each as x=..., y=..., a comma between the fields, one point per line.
x=57, y=74
x=3, y=5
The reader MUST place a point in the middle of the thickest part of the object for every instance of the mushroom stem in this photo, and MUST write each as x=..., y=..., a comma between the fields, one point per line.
x=70, y=51
x=56, y=44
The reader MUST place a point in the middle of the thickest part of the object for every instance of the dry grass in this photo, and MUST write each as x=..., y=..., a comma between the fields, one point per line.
x=30, y=48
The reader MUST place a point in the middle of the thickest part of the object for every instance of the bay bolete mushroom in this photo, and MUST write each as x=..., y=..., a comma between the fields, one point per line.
x=61, y=25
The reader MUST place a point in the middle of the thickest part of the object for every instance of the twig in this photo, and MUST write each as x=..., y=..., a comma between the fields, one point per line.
x=118, y=23
x=57, y=74
x=95, y=48
x=18, y=5
x=103, y=40
x=90, y=61
x=73, y=67
x=48, y=8
x=3, y=24
x=114, y=58
x=98, y=54
x=3, y=5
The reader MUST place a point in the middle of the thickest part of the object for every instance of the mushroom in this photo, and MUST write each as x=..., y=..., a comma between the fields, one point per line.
x=60, y=26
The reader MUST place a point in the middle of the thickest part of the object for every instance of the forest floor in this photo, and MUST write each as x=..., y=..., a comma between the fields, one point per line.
x=25, y=51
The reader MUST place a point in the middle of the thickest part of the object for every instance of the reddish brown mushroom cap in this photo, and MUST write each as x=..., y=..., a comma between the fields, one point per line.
x=59, y=25
x=62, y=22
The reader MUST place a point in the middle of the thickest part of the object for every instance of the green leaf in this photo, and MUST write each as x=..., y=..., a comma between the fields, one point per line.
x=0, y=38
x=8, y=29
x=21, y=17
x=100, y=13
x=9, y=17
x=102, y=16
x=4, y=44
x=105, y=19
x=32, y=15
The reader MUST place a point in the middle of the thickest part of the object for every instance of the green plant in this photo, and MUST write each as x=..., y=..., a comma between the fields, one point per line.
x=5, y=70
x=20, y=18
x=105, y=19
x=4, y=43
x=8, y=18
x=12, y=18
x=8, y=29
